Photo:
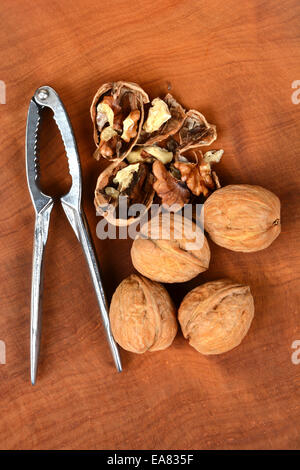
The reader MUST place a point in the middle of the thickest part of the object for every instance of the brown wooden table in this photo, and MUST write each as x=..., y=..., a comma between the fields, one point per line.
x=235, y=62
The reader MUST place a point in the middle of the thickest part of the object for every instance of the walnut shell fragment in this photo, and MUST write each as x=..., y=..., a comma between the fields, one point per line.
x=117, y=113
x=130, y=181
x=216, y=316
x=176, y=249
x=142, y=315
x=242, y=217
x=196, y=131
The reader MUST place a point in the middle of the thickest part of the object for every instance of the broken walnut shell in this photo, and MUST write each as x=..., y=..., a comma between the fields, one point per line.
x=142, y=315
x=139, y=190
x=196, y=131
x=121, y=99
x=242, y=217
x=216, y=316
x=175, y=249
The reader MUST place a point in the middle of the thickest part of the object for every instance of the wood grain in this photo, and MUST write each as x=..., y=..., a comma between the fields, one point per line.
x=235, y=62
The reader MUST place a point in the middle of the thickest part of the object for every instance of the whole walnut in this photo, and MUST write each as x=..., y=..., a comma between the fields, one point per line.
x=142, y=315
x=242, y=217
x=176, y=249
x=216, y=316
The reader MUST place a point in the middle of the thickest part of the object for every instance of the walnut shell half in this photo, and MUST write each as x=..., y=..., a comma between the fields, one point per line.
x=176, y=250
x=242, y=217
x=142, y=315
x=121, y=121
x=216, y=316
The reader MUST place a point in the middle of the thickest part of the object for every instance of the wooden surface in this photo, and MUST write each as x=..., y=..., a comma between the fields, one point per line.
x=235, y=62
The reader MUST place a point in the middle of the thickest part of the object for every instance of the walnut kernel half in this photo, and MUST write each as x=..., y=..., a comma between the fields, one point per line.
x=158, y=114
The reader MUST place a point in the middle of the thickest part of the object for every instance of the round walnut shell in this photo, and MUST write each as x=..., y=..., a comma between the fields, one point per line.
x=138, y=95
x=106, y=206
x=175, y=255
x=142, y=315
x=216, y=316
x=242, y=217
